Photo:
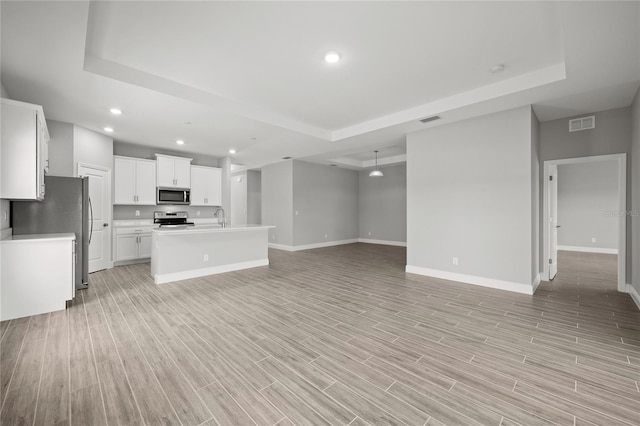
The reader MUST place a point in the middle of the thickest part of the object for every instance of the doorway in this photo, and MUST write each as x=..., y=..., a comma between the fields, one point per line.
x=550, y=213
x=99, y=216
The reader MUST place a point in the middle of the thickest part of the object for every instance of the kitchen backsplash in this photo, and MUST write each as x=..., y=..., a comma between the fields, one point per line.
x=146, y=212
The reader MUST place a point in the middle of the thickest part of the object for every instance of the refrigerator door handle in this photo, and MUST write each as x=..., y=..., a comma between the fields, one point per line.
x=91, y=211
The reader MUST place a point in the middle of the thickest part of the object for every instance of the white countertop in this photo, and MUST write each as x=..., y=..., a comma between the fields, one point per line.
x=210, y=229
x=38, y=237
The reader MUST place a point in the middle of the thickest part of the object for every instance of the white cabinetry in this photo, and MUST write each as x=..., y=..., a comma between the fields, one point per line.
x=206, y=186
x=135, y=181
x=173, y=172
x=132, y=243
x=24, y=148
x=37, y=274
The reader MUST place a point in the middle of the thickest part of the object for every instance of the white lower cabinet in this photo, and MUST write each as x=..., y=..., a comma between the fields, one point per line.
x=132, y=243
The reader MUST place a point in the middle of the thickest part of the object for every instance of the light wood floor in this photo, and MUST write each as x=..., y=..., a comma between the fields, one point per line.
x=330, y=336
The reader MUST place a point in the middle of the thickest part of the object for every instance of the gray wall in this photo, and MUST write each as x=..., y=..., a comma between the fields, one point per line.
x=60, y=148
x=5, y=205
x=239, y=198
x=91, y=148
x=469, y=195
x=633, y=217
x=612, y=135
x=149, y=153
x=277, y=201
x=254, y=197
x=536, y=246
x=585, y=192
x=325, y=203
x=382, y=204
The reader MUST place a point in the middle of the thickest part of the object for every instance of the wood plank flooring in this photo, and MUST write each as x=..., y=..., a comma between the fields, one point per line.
x=333, y=336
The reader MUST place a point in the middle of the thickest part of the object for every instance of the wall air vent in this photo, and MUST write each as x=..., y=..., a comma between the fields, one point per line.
x=583, y=123
x=428, y=119
x=286, y=158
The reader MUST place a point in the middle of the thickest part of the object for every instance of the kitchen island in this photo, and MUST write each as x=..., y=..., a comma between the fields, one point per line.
x=190, y=252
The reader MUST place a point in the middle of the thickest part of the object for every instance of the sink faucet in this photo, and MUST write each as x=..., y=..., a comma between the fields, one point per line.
x=224, y=219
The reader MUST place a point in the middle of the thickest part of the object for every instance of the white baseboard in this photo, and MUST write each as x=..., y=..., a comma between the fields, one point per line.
x=589, y=249
x=312, y=246
x=634, y=294
x=177, y=276
x=535, y=283
x=384, y=242
x=470, y=279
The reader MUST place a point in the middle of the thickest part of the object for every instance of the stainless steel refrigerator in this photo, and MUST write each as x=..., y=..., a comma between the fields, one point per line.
x=65, y=208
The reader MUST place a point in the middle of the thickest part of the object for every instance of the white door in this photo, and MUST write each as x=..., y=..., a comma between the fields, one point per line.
x=553, y=221
x=100, y=212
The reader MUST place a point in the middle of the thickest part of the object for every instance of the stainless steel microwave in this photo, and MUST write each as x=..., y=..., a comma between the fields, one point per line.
x=173, y=196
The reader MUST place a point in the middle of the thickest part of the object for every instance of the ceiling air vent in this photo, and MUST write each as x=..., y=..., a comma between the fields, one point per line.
x=428, y=119
x=583, y=123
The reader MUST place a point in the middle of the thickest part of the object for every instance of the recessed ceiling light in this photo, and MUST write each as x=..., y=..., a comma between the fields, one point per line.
x=115, y=111
x=232, y=151
x=332, y=57
x=180, y=142
x=498, y=68
x=108, y=129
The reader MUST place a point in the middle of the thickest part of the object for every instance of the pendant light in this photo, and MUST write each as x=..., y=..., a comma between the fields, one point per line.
x=376, y=172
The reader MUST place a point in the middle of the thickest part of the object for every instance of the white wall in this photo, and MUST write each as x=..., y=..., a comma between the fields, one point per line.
x=382, y=205
x=469, y=195
x=634, y=218
x=325, y=204
x=277, y=201
x=239, y=198
x=91, y=148
x=536, y=196
x=586, y=191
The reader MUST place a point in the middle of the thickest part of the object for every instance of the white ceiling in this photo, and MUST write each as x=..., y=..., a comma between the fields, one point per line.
x=250, y=75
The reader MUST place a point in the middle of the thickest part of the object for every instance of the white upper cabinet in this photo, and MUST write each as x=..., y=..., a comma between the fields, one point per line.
x=24, y=148
x=173, y=172
x=135, y=181
x=206, y=186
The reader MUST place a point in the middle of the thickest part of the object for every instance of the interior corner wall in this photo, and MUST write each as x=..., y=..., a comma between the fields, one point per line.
x=91, y=148
x=277, y=201
x=382, y=205
x=325, y=201
x=586, y=191
x=60, y=148
x=612, y=135
x=469, y=196
x=634, y=216
x=536, y=197
x=5, y=205
x=3, y=91
x=254, y=197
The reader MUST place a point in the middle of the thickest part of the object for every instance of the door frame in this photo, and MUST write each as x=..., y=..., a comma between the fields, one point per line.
x=622, y=208
x=110, y=205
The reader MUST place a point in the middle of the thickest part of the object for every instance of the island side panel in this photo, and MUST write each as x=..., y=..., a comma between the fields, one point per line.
x=177, y=256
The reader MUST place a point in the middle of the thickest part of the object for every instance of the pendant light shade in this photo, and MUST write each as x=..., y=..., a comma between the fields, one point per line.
x=376, y=172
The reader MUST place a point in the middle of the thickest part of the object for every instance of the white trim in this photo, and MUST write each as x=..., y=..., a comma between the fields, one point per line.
x=471, y=279
x=384, y=242
x=535, y=283
x=589, y=249
x=185, y=275
x=634, y=294
x=622, y=206
x=312, y=246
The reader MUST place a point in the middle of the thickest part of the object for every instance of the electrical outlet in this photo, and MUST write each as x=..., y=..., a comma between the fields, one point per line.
x=455, y=260
x=593, y=239
x=326, y=236
x=206, y=258
x=137, y=213
x=197, y=212
x=369, y=233
x=296, y=212
x=273, y=237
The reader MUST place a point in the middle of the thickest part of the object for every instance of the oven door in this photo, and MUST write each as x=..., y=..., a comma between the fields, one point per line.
x=172, y=196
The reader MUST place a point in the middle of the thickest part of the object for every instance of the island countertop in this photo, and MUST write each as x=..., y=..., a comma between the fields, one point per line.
x=209, y=228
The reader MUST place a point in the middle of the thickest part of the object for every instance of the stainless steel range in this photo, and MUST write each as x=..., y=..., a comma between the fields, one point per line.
x=172, y=219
